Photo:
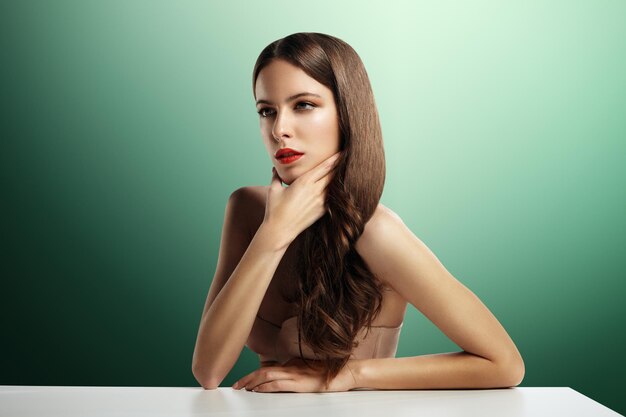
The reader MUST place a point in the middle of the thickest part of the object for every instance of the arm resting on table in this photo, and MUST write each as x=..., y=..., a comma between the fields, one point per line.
x=436, y=371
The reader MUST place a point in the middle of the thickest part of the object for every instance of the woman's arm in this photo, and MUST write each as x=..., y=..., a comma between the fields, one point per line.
x=242, y=277
x=234, y=298
x=453, y=370
x=489, y=357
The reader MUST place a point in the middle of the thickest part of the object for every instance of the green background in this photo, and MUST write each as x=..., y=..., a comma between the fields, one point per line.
x=127, y=124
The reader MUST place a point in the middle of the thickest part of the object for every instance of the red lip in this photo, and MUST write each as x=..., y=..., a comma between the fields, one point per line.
x=289, y=159
x=286, y=151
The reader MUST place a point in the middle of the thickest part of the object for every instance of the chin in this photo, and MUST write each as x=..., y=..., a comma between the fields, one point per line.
x=287, y=178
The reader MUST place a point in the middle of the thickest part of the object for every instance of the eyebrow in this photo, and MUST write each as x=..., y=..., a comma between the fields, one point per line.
x=295, y=96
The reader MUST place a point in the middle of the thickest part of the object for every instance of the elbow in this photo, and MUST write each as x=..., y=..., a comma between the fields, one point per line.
x=207, y=381
x=512, y=373
x=209, y=384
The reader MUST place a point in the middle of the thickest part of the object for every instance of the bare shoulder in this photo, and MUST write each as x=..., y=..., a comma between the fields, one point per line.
x=384, y=223
x=249, y=192
x=383, y=215
x=401, y=260
x=249, y=203
x=384, y=232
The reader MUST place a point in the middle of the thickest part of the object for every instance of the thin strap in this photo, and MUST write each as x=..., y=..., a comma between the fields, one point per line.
x=267, y=321
x=389, y=327
x=374, y=327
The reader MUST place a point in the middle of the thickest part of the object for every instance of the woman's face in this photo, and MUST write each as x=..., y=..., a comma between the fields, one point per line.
x=308, y=123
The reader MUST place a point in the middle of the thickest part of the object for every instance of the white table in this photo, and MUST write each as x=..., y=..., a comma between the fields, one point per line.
x=21, y=401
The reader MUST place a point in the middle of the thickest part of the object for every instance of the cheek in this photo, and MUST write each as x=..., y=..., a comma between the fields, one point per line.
x=268, y=139
x=325, y=126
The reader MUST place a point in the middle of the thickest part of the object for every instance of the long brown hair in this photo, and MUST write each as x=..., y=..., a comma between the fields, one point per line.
x=337, y=294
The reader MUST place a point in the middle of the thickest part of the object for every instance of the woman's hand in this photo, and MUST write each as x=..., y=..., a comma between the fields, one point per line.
x=295, y=376
x=291, y=210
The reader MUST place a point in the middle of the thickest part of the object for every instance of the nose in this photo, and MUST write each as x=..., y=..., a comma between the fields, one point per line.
x=282, y=126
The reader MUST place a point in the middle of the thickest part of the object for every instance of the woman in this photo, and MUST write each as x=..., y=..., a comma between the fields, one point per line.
x=315, y=277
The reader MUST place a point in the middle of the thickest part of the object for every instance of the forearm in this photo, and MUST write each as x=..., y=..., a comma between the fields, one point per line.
x=436, y=371
x=226, y=325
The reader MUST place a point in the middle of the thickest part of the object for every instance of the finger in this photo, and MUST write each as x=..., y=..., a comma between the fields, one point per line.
x=326, y=174
x=281, y=385
x=321, y=169
x=246, y=379
x=265, y=375
x=328, y=169
x=323, y=182
x=276, y=180
x=243, y=381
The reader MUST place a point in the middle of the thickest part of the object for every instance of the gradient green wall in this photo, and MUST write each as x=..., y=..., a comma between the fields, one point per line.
x=126, y=125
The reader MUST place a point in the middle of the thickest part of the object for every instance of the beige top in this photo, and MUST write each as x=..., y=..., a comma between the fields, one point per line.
x=280, y=343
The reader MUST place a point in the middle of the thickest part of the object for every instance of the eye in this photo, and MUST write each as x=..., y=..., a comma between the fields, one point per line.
x=306, y=104
x=262, y=111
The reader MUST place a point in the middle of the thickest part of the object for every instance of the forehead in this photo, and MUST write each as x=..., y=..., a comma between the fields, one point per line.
x=281, y=79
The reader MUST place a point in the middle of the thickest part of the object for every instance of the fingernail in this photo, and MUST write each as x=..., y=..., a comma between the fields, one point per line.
x=235, y=385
